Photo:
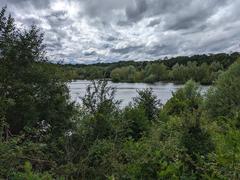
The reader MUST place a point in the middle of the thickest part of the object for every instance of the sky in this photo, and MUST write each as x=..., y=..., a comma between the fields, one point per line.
x=91, y=31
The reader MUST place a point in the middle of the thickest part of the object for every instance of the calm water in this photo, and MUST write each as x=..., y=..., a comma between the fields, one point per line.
x=126, y=91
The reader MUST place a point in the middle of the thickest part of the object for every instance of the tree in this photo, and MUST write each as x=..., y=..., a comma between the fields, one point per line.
x=148, y=102
x=37, y=92
x=186, y=103
x=155, y=72
x=137, y=122
x=116, y=75
x=185, y=100
x=29, y=174
x=197, y=143
x=223, y=99
x=99, y=101
x=99, y=97
x=124, y=74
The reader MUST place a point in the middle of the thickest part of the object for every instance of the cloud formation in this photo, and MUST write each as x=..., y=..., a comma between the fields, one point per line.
x=88, y=31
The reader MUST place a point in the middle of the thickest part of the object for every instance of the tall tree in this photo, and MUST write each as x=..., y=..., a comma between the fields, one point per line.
x=39, y=97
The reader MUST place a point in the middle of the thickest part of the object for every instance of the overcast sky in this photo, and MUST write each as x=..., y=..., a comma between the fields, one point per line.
x=88, y=31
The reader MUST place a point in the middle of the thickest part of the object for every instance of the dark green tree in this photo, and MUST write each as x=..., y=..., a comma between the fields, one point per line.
x=148, y=102
x=185, y=100
x=39, y=97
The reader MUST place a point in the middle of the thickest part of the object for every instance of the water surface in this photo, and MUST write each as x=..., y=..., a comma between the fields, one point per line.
x=127, y=91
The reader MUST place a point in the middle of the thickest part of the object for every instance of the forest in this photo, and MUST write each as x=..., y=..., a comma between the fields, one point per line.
x=44, y=135
x=203, y=69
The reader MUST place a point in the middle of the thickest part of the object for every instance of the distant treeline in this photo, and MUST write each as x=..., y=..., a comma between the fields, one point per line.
x=200, y=68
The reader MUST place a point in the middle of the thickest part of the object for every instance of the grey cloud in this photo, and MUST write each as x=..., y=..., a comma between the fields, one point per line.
x=161, y=50
x=124, y=23
x=111, y=38
x=184, y=22
x=110, y=30
x=58, y=18
x=31, y=21
x=134, y=13
x=39, y=4
x=89, y=53
x=103, y=8
x=126, y=50
x=154, y=22
x=194, y=15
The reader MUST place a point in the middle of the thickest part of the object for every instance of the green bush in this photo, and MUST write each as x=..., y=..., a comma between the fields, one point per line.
x=223, y=99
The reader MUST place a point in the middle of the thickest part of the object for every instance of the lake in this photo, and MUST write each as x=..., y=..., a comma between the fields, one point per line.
x=127, y=91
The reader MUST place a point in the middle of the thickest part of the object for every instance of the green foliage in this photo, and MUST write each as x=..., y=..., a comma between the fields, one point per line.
x=204, y=69
x=150, y=79
x=38, y=95
x=223, y=162
x=185, y=100
x=29, y=175
x=224, y=98
x=127, y=74
x=99, y=97
x=197, y=144
x=35, y=108
x=17, y=150
x=137, y=122
x=155, y=72
x=147, y=102
x=45, y=136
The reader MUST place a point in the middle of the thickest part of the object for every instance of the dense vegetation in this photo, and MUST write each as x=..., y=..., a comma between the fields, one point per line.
x=200, y=68
x=45, y=136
